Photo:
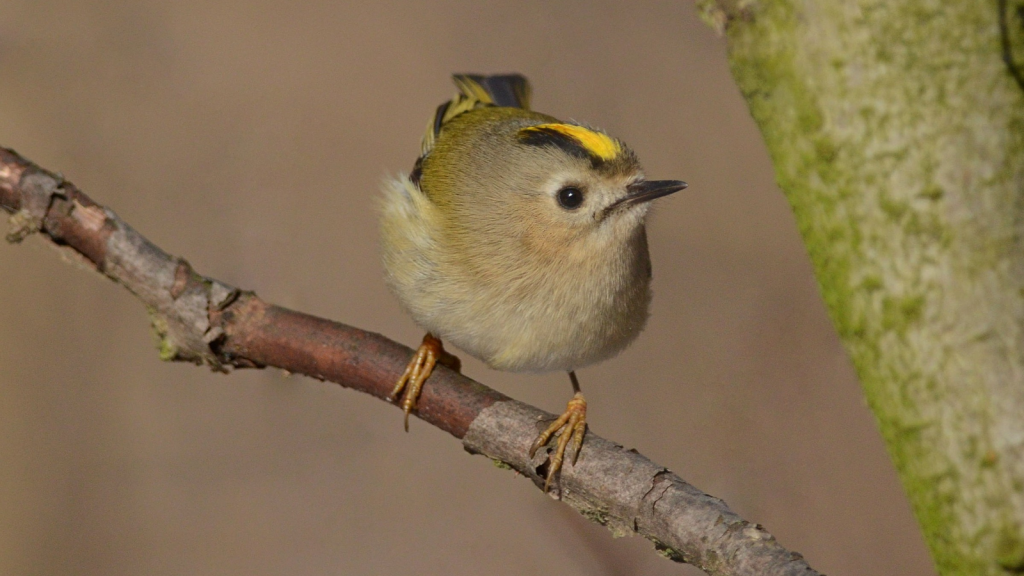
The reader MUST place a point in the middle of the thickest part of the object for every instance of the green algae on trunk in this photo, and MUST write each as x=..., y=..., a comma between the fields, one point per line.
x=897, y=135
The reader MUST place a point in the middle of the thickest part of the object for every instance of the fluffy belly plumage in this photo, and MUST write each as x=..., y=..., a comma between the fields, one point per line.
x=543, y=324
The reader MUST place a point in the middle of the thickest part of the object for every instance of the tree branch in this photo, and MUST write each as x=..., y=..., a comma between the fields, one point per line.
x=205, y=321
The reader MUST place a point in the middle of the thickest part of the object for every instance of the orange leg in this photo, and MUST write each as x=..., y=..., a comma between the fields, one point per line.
x=430, y=353
x=569, y=428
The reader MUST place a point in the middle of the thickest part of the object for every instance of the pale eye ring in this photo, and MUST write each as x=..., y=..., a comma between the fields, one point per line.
x=570, y=197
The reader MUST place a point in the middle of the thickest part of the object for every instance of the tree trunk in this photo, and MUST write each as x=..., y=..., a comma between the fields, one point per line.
x=897, y=134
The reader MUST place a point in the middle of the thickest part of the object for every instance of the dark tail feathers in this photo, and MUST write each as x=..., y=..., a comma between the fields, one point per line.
x=512, y=90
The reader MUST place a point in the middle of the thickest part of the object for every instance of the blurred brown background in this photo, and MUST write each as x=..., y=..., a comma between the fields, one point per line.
x=250, y=137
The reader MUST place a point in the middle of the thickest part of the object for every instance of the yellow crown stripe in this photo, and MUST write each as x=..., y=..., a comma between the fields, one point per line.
x=596, y=143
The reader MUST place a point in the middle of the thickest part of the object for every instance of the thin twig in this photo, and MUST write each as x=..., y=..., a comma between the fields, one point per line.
x=205, y=321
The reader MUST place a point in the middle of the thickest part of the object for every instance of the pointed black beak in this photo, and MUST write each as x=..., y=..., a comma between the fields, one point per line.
x=645, y=191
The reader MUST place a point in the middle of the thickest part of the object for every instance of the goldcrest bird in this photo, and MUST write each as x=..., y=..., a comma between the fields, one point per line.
x=520, y=239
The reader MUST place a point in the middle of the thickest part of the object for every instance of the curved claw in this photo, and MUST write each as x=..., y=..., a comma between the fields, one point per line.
x=430, y=353
x=569, y=428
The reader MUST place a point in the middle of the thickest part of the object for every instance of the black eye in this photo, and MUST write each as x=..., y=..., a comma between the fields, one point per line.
x=570, y=197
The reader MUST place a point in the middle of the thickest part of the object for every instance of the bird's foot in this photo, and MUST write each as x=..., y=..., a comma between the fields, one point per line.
x=569, y=428
x=430, y=353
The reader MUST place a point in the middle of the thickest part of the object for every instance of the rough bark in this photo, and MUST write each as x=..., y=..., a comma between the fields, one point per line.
x=897, y=134
x=202, y=320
